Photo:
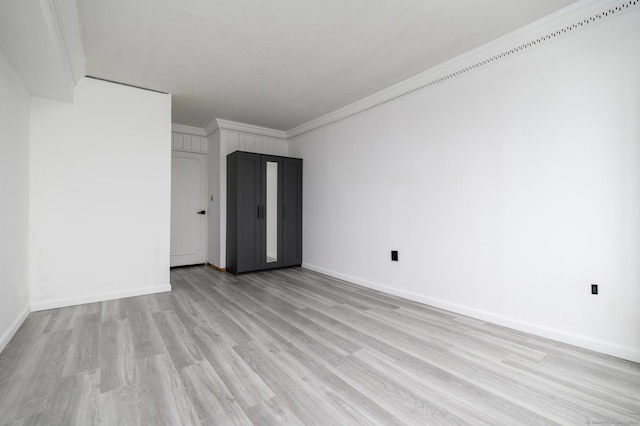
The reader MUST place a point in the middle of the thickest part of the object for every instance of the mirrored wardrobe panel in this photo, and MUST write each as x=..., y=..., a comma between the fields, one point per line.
x=271, y=220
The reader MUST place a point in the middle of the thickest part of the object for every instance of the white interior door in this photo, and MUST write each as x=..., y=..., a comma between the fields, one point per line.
x=188, y=208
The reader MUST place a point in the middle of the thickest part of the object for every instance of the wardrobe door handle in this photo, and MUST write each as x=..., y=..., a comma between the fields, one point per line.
x=258, y=212
x=284, y=212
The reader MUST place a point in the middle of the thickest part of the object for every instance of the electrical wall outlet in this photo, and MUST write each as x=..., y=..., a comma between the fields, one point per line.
x=394, y=255
x=594, y=288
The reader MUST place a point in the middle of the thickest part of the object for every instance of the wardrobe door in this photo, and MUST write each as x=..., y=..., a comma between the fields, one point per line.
x=291, y=211
x=232, y=212
x=249, y=212
x=271, y=212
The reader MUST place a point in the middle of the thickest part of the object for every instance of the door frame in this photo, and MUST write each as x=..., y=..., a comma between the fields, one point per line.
x=204, y=205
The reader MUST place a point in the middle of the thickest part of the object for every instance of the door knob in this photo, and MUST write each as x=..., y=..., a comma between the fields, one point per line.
x=201, y=212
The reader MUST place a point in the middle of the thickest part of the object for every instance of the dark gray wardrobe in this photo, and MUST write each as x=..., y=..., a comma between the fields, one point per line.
x=264, y=212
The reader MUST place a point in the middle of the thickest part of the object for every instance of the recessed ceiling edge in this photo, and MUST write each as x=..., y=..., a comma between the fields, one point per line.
x=63, y=19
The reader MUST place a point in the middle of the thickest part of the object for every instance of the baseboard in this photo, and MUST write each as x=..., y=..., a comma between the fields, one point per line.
x=8, y=335
x=216, y=268
x=61, y=303
x=585, y=342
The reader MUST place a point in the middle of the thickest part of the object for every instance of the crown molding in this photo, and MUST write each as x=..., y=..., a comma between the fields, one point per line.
x=189, y=130
x=249, y=128
x=62, y=19
x=568, y=20
x=41, y=39
x=211, y=127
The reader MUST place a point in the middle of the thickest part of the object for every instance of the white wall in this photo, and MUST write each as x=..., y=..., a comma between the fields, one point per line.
x=181, y=141
x=14, y=201
x=213, y=158
x=507, y=191
x=100, y=195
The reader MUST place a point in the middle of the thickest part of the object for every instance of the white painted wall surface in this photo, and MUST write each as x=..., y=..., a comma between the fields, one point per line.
x=213, y=158
x=100, y=195
x=189, y=143
x=507, y=191
x=14, y=201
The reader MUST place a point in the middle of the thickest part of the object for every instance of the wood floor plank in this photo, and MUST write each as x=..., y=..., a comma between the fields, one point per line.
x=17, y=355
x=293, y=346
x=239, y=325
x=249, y=294
x=112, y=310
x=144, y=333
x=19, y=362
x=84, y=353
x=41, y=374
x=62, y=319
x=183, y=304
x=420, y=362
x=357, y=407
x=305, y=402
x=453, y=335
x=502, y=379
x=234, y=331
x=65, y=318
x=496, y=377
x=211, y=398
x=300, y=339
x=272, y=412
x=245, y=385
x=321, y=333
x=591, y=395
x=75, y=402
x=401, y=400
x=117, y=356
x=122, y=406
x=182, y=350
x=164, y=400
x=260, y=295
x=342, y=294
x=359, y=300
x=452, y=395
x=322, y=297
x=32, y=328
x=295, y=298
x=159, y=302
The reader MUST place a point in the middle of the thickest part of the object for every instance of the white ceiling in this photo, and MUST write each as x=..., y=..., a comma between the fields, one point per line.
x=280, y=63
x=29, y=39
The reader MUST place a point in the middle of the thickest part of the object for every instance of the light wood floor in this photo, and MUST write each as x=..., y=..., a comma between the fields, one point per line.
x=292, y=346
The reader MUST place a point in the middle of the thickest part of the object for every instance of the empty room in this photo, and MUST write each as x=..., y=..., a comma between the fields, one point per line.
x=356, y=212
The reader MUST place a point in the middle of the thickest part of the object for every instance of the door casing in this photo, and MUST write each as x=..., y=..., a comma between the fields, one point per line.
x=188, y=196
